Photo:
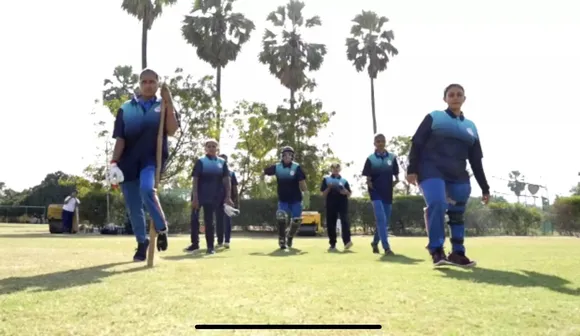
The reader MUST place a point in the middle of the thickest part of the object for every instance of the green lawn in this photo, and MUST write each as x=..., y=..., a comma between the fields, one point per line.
x=84, y=285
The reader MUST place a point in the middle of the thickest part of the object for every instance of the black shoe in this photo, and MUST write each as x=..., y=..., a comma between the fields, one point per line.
x=141, y=252
x=282, y=243
x=439, y=258
x=389, y=252
x=289, y=243
x=460, y=259
x=375, y=248
x=210, y=251
x=191, y=248
x=162, y=243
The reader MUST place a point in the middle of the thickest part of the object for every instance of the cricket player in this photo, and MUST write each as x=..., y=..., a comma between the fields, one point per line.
x=69, y=207
x=134, y=157
x=211, y=190
x=379, y=169
x=440, y=149
x=292, y=192
x=226, y=231
x=336, y=191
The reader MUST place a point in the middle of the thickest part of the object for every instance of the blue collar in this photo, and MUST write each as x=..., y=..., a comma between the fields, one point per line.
x=211, y=157
x=452, y=115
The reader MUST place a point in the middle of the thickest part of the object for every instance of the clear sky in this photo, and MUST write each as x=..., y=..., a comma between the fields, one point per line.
x=518, y=61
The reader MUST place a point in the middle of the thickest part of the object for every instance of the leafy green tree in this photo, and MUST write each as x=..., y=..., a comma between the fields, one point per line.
x=254, y=149
x=370, y=46
x=218, y=34
x=145, y=11
x=401, y=146
x=290, y=59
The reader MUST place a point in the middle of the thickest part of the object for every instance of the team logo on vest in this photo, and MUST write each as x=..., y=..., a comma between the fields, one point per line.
x=291, y=173
x=389, y=162
x=158, y=109
x=470, y=131
x=220, y=166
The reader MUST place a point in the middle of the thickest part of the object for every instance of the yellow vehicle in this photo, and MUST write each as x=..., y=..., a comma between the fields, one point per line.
x=54, y=216
x=311, y=224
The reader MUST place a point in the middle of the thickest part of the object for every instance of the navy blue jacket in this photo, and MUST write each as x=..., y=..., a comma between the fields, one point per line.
x=442, y=146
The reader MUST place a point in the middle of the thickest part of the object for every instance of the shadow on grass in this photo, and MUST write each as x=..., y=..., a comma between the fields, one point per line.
x=514, y=279
x=64, y=279
x=201, y=254
x=400, y=259
x=280, y=253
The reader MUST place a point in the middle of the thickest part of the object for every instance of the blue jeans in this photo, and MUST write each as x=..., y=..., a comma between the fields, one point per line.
x=382, y=212
x=436, y=191
x=67, y=221
x=141, y=191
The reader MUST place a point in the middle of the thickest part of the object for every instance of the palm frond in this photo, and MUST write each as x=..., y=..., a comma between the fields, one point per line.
x=313, y=22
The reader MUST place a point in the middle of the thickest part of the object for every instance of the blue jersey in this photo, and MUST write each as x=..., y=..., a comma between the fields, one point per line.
x=137, y=122
x=334, y=199
x=380, y=168
x=210, y=172
x=288, y=177
x=441, y=147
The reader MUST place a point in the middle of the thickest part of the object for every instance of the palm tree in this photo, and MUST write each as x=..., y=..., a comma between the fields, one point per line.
x=370, y=44
x=218, y=34
x=145, y=11
x=290, y=58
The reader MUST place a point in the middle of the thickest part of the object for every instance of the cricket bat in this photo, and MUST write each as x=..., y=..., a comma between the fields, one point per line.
x=158, y=154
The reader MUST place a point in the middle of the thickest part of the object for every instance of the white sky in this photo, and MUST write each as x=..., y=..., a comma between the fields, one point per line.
x=518, y=61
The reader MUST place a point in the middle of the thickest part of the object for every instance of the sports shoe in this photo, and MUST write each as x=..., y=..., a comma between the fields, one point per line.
x=210, y=251
x=460, y=259
x=332, y=249
x=389, y=252
x=220, y=245
x=191, y=248
x=439, y=258
x=227, y=245
x=141, y=251
x=289, y=242
x=348, y=245
x=375, y=248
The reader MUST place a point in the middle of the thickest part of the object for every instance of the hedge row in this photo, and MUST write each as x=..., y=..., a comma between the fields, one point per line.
x=407, y=215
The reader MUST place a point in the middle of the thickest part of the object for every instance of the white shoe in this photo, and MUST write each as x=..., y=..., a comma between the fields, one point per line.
x=348, y=245
x=227, y=245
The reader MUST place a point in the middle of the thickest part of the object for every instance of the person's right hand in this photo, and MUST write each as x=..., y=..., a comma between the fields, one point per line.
x=195, y=203
x=115, y=174
x=412, y=179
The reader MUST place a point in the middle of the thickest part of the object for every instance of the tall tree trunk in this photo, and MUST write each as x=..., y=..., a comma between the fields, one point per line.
x=292, y=140
x=373, y=105
x=218, y=113
x=144, y=43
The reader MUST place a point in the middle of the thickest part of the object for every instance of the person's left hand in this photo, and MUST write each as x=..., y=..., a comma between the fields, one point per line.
x=343, y=191
x=165, y=93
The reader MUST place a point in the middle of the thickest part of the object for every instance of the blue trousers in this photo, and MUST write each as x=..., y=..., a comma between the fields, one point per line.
x=382, y=212
x=137, y=193
x=67, y=221
x=436, y=191
x=292, y=209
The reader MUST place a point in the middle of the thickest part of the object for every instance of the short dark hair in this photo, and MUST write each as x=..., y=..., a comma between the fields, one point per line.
x=451, y=86
x=380, y=135
x=148, y=72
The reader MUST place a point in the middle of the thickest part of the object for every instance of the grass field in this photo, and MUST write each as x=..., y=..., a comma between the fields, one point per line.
x=84, y=285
